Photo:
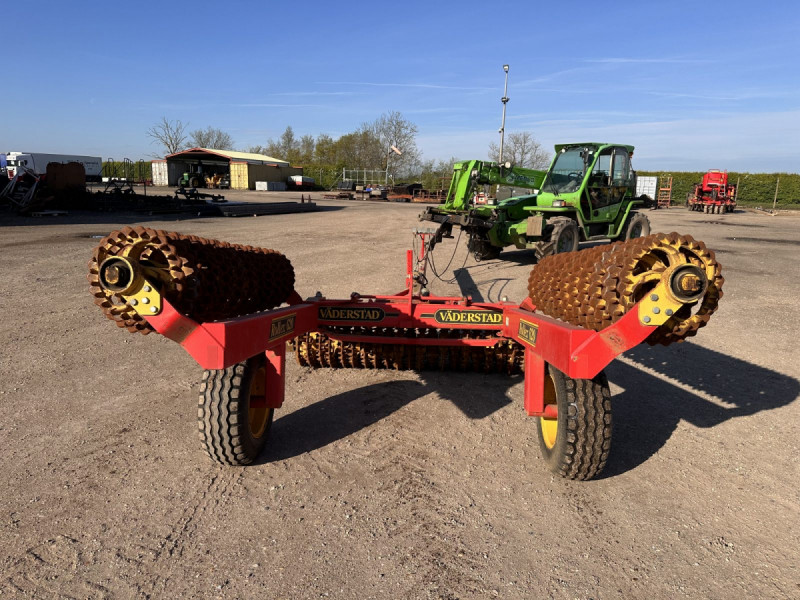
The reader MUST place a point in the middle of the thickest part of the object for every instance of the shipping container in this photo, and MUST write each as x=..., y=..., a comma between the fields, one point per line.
x=239, y=180
x=160, y=174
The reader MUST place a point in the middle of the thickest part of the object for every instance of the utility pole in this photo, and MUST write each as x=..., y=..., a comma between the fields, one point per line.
x=504, y=100
x=775, y=199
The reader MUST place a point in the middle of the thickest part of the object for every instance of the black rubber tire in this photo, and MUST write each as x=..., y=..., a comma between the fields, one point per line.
x=482, y=250
x=489, y=253
x=223, y=415
x=562, y=226
x=583, y=439
x=637, y=220
x=194, y=182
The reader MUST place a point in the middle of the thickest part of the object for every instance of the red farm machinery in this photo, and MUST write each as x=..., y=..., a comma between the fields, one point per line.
x=714, y=194
x=235, y=310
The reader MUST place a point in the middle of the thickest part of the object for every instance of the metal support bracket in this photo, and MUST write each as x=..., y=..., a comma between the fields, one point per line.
x=658, y=306
x=144, y=298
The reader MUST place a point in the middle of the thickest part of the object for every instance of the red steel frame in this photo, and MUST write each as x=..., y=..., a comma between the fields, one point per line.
x=577, y=352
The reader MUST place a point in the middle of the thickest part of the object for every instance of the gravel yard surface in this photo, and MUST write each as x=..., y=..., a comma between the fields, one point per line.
x=383, y=484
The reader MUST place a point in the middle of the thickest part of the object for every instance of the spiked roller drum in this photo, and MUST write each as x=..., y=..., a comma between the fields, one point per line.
x=594, y=288
x=316, y=349
x=207, y=280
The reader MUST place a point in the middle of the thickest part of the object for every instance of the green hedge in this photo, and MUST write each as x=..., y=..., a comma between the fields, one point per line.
x=755, y=189
x=134, y=170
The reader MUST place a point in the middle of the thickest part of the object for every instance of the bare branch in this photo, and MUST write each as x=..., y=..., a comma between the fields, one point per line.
x=170, y=134
x=521, y=150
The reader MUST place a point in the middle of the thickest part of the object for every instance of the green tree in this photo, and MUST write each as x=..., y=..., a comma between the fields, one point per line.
x=286, y=147
x=211, y=137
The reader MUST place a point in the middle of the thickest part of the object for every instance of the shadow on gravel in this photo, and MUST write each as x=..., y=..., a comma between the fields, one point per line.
x=334, y=418
x=701, y=386
x=528, y=257
x=114, y=220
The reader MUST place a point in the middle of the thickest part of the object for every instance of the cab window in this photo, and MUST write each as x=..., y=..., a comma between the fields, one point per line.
x=610, y=177
x=622, y=167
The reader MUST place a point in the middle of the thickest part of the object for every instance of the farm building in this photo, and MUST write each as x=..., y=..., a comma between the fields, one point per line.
x=243, y=168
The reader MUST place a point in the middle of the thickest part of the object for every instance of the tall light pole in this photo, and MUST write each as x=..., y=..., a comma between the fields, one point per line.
x=504, y=100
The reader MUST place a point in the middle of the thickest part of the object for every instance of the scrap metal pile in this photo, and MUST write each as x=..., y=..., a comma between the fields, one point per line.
x=207, y=280
x=594, y=288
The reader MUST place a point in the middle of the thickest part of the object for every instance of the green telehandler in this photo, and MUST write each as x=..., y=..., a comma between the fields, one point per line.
x=588, y=193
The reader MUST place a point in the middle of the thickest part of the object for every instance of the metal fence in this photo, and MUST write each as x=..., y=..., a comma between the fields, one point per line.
x=367, y=176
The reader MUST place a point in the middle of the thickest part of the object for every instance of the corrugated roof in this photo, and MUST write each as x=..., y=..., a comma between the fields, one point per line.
x=234, y=155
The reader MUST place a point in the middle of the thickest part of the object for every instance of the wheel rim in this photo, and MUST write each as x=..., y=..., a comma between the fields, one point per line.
x=565, y=241
x=258, y=413
x=549, y=426
x=636, y=231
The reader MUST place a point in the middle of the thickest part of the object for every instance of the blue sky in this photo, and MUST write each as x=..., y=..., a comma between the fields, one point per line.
x=693, y=85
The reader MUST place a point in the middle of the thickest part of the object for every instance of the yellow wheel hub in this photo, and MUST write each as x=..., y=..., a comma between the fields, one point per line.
x=258, y=413
x=549, y=431
x=549, y=426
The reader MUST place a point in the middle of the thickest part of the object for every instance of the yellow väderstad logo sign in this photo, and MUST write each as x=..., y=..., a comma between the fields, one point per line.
x=335, y=313
x=448, y=316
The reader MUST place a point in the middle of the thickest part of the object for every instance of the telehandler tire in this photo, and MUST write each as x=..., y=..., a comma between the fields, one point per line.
x=564, y=237
x=638, y=226
x=576, y=444
x=233, y=420
x=489, y=253
x=483, y=250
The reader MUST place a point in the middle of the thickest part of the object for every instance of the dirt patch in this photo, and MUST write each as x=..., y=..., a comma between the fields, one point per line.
x=390, y=484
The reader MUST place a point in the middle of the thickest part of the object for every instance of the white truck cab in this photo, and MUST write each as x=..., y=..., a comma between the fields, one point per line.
x=38, y=161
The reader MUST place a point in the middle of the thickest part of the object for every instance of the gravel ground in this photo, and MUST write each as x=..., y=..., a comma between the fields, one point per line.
x=392, y=484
